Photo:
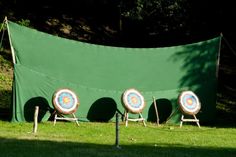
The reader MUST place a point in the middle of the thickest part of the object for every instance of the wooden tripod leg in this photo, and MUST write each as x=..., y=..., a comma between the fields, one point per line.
x=126, y=118
x=55, y=119
x=142, y=119
x=197, y=121
x=76, y=120
x=181, y=121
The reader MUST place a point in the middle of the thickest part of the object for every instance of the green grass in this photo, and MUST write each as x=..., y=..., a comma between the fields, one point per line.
x=98, y=139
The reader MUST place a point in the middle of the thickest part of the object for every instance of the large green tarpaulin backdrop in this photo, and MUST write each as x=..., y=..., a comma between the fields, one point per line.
x=100, y=74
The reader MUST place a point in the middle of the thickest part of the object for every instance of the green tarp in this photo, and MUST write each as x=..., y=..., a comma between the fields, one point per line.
x=100, y=74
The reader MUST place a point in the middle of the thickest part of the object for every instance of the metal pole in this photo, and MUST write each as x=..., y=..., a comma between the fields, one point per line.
x=117, y=130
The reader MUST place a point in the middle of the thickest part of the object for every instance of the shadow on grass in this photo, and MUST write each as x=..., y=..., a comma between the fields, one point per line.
x=39, y=148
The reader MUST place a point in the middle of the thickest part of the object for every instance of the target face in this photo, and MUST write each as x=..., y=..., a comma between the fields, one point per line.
x=133, y=101
x=189, y=103
x=65, y=101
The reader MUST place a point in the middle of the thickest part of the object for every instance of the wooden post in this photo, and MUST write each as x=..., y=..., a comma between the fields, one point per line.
x=36, y=119
x=9, y=36
x=155, y=106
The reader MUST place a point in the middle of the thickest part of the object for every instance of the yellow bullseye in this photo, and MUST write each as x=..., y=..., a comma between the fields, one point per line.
x=134, y=100
x=66, y=100
x=189, y=101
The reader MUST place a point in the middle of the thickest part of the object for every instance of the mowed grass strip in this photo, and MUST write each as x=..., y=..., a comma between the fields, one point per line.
x=98, y=139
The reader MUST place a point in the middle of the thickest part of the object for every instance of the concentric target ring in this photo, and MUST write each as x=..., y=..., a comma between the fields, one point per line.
x=65, y=101
x=133, y=101
x=189, y=103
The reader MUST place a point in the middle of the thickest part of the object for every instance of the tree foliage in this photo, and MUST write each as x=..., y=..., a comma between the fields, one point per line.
x=133, y=23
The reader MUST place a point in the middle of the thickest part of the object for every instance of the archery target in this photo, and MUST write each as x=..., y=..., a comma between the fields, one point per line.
x=65, y=101
x=133, y=101
x=189, y=103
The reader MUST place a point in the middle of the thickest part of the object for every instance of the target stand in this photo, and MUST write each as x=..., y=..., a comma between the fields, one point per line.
x=189, y=105
x=65, y=102
x=133, y=102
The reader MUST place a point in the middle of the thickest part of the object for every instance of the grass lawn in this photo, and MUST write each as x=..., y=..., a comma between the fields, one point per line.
x=98, y=139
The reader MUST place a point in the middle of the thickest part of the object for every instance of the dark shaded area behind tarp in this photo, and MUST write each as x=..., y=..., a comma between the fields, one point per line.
x=30, y=105
x=167, y=110
x=164, y=109
x=102, y=110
